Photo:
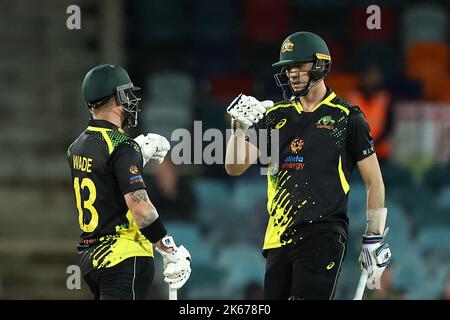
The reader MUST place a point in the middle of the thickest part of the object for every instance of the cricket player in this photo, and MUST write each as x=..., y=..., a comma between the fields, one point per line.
x=118, y=221
x=321, y=139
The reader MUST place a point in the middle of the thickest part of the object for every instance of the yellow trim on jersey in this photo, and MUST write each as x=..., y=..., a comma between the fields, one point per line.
x=298, y=106
x=126, y=243
x=278, y=208
x=104, y=133
x=282, y=105
x=327, y=100
x=344, y=183
x=347, y=112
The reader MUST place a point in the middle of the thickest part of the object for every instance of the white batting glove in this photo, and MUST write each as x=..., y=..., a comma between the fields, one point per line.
x=247, y=110
x=177, y=264
x=153, y=147
x=375, y=256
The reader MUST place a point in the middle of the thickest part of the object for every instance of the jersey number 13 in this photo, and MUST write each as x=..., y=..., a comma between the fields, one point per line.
x=87, y=204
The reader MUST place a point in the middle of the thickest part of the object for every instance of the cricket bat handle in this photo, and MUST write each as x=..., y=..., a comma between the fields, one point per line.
x=172, y=293
x=361, y=285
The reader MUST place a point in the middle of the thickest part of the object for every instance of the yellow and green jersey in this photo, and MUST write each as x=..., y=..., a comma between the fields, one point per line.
x=106, y=164
x=308, y=189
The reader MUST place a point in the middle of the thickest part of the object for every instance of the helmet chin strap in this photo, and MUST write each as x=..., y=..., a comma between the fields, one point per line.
x=309, y=85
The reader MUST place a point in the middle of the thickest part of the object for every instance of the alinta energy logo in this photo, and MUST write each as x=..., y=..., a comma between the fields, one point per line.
x=208, y=147
x=294, y=161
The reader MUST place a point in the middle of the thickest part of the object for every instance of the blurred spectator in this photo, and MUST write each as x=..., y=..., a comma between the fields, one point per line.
x=376, y=103
x=386, y=291
x=171, y=192
x=446, y=291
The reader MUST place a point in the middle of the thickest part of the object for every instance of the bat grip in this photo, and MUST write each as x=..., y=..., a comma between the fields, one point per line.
x=172, y=293
x=361, y=285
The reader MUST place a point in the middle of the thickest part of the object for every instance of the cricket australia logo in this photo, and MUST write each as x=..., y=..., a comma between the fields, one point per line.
x=326, y=122
x=288, y=46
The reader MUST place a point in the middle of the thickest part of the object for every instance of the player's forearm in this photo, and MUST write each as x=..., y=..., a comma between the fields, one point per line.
x=376, y=212
x=143, y=211
x=240, y=154
x=375, y=194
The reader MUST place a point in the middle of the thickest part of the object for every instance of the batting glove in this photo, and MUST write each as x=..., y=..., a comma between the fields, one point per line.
x=375, y=256
x=247, y=111
x=177, y=264
x=153, y=147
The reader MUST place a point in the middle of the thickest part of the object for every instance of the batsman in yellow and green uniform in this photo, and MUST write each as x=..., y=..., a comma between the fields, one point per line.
x=321, y=138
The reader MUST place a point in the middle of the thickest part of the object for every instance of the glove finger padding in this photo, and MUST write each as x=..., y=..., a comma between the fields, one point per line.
x=177, y=266
x=375, y=257
x=248, y=110
x=239, y=116
x=153, y=147
x=179, y=281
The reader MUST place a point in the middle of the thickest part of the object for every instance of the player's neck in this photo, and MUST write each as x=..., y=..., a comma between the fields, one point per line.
x=110, y=117
x=314, y=97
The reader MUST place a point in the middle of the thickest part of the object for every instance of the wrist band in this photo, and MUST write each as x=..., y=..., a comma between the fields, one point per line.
x=155, y=231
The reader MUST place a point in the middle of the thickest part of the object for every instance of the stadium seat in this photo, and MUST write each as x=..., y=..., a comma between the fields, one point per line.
x=432, y=238
x=424, y=22
x=248, y=195
x=266, y=22
x=443, y=199
x=189, y=235
x=357, y=208
x=213, y=59
x=428, y=63
x=437, y=177
x=395, y=176
x=211, y=191
x=171, y=86
x=164, y=117
x=428, y=213
x=385, y=55
x=398, y=221
x=242, y=264
x=226, y=87
x=159, y=21
x=216, y=21
x=409, y=270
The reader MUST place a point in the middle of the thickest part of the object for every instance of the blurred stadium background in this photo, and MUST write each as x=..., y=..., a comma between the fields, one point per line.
x=192, y=58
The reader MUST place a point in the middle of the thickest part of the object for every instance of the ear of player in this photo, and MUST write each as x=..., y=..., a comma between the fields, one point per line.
x=177, y=264
x=375, y=256
x=247, y=110
x=153, y=147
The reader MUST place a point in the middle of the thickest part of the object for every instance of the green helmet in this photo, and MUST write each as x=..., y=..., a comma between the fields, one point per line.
x=106, y=81
x=302, y=47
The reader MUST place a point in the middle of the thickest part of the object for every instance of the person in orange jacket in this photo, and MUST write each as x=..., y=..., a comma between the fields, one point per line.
x=376, y=103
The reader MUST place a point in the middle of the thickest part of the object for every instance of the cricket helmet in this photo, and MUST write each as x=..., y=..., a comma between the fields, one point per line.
x=302, y=47
x=106, y=81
